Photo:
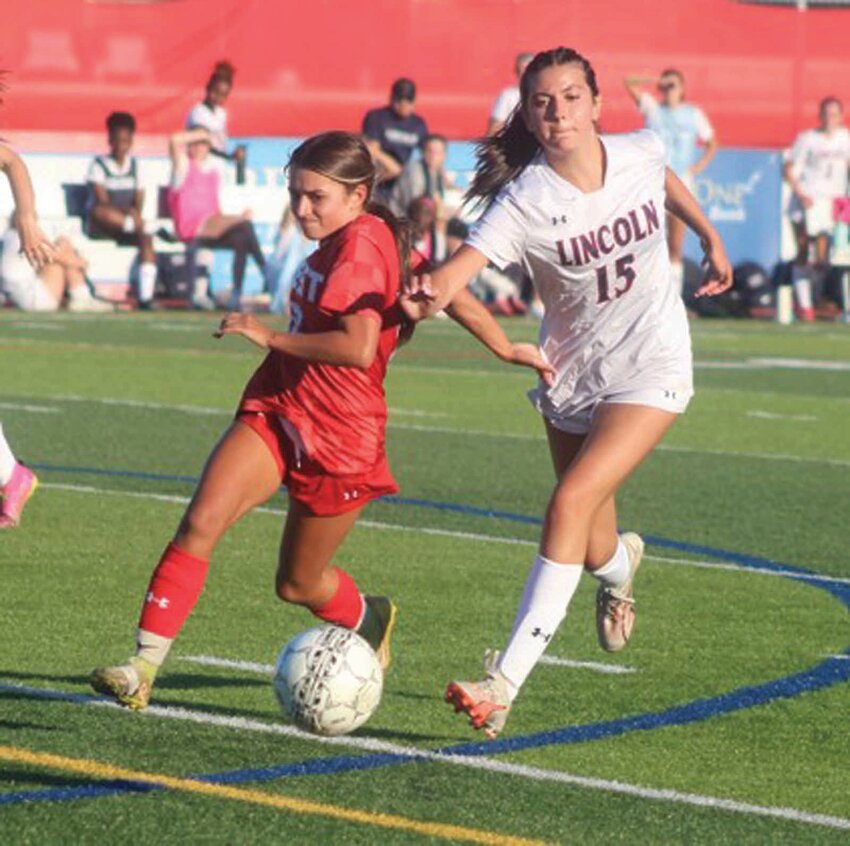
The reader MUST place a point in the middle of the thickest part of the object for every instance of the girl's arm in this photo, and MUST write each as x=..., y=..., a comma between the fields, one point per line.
x=468, y=312
x=429, y=293
x=354, y=344
x=635, y=86
x=34, y=243
x=718, y=271
x=178, y=141
x=707, y=155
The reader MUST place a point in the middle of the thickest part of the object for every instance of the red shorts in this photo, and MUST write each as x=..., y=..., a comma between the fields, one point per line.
x=310, y=484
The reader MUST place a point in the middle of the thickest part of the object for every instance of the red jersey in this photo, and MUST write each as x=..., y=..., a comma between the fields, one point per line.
x=339, y=412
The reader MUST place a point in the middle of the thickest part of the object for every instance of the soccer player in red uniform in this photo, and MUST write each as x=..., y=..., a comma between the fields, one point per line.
x=312, y=417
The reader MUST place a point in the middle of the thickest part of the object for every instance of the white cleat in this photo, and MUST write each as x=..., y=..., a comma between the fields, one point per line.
x=615, y=607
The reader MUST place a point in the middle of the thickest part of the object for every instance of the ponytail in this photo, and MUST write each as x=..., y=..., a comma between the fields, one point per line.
x=502, y=157
x=401, y=230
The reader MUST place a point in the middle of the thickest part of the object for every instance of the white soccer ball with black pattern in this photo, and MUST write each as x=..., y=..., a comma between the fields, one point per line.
x=328, y=680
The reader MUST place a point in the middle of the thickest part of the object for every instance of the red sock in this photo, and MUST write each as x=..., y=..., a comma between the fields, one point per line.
x=173, y=591
x=345, y=607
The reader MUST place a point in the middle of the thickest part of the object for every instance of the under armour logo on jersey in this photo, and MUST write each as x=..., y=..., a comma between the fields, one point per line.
x=670, y=395
x=349, y=495
x=556, y=219
x=162, y=601
x=538, y=632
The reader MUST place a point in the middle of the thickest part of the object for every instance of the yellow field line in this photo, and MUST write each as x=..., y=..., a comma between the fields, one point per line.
x=258, y=797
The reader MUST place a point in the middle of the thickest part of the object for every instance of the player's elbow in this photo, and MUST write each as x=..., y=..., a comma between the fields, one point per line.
x=363, y=356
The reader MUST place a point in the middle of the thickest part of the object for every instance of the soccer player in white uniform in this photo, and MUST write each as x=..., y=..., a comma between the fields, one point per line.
x=816, y=170
x=18, y=482
x=584, y=215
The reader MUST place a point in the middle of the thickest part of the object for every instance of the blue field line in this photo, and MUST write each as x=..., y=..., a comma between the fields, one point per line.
x=829, y=672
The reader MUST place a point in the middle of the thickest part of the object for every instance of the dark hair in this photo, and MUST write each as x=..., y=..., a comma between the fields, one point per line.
x=828, y=101
x=343, y=157
x=222, y=72
x=403, y=89
x=457, y=228
x=673, y=72
x=120, y=120
x=503, y=156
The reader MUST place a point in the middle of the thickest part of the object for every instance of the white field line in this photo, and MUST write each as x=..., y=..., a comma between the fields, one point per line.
x=418, y=427
x=450, y=533
x=470, y=761
x=33, y=409
x=29, y=324
x=268, y=669
x=771, y=415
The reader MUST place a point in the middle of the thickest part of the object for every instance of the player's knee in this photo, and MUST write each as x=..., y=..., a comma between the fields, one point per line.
x=574, y=501
x=204, y=522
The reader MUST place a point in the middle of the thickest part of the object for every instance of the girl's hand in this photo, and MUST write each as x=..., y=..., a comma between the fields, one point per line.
x=34, y=243
x=417, y=297
x=246, y=325
x=717, y=276
x=530, y=355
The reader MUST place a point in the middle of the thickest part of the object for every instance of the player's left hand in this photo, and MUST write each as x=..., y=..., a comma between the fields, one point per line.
x=34, y=244
x=717, y=275
x=246, y=325
x=530, y=355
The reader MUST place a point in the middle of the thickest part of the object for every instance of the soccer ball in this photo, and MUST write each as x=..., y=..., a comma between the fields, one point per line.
x=328, y=680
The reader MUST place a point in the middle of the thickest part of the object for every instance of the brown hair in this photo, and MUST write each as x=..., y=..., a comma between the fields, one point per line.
x=343, y=157
x=503, y=156
x=222, y=72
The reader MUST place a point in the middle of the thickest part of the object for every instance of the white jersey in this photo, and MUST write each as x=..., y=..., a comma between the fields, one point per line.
x=506, y=102
x=820, y=162
x=614, y=322
x=214, y=120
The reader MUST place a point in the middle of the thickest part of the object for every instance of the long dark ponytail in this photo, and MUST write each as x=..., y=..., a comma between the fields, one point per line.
x=501, y=157
x=343, y=157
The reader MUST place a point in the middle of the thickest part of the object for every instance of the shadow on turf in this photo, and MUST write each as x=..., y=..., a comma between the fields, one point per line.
x=41, y=779
x=14, y=724
x=182, y=682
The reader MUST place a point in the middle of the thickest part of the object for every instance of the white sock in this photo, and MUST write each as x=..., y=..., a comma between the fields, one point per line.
x=79, y=293
x=548, y=591
x=151, y=647
x=129, y=225
x=147, y=281
x=801, y=280
x=677, y=273
x=7, y=460
x=614, y=572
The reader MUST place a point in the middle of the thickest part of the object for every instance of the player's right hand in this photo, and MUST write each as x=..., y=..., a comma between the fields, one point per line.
x=34, y=244
x=530, y=355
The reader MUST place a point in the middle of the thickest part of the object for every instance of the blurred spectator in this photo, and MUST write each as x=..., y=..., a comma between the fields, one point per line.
x=498, y=290
x=290, y=250
x=508, y=98
x=116, y=199
x=422, y=214
x=44, y=289
x=396, y=131
x=423, y=176
x=816, y=171
x=193, y=201
x=688, y=136
x=211, y=114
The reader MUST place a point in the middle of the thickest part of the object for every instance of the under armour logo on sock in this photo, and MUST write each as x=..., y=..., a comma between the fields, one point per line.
x=162, y=601
x=538, y=632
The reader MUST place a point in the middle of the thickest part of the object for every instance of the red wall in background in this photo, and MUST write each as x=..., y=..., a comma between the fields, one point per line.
x=304, y=66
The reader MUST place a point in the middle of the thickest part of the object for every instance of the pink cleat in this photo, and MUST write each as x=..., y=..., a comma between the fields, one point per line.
x=15, y=494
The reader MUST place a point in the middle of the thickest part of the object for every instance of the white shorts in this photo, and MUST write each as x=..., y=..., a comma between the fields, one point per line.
x=579, y=420
x=29, y=293
x=818, y=218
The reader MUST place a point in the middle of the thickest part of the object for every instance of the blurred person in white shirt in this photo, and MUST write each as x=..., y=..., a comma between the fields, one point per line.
x=508, y=98
x=816, y=171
